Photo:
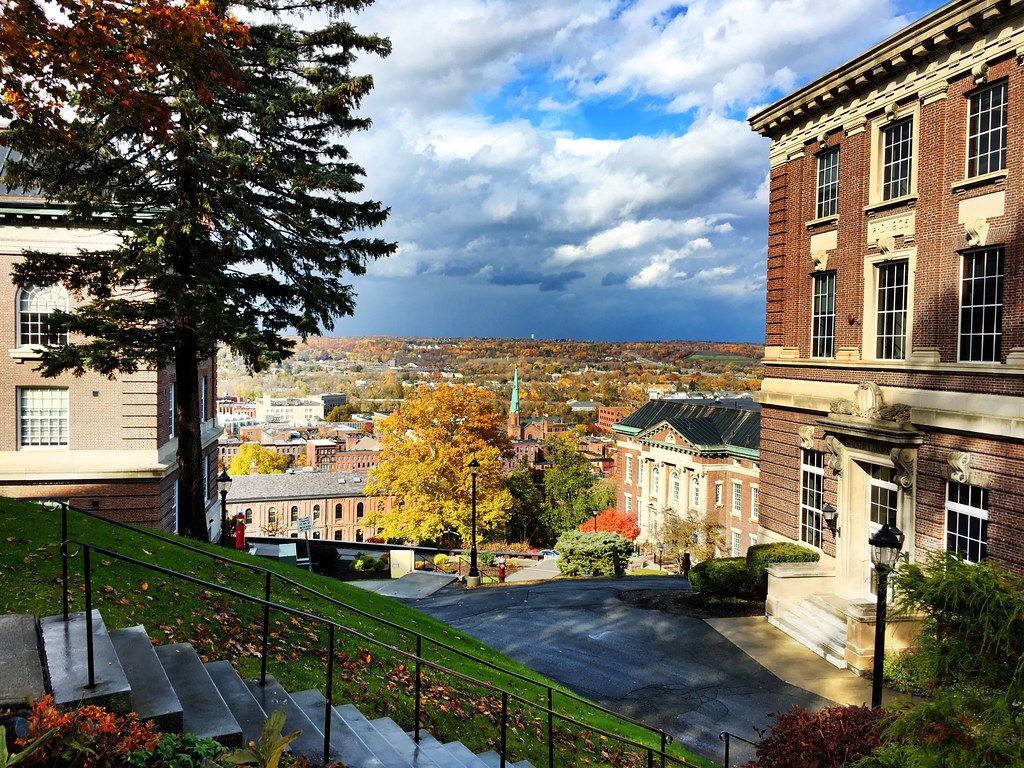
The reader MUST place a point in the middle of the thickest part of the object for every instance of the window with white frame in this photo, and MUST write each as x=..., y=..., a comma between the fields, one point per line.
x=812, y=477
x=823, y=315
x=294, y=514
x=737, y=544
x=202, y=398
x=272, y=516
x=675, y=486
x=967, y=521
x=981, y=306
x=695, y=491
x=629, y=469
x=737, y=498
x=170, y=410
x=206, y=479
x=35, y=306
x=629, y=503
x=828, y=184
x=986, y=131
x=897, y=158
x=755, y=503
x=718, y=494
x=248, y=515
x=655, y=482
x=893, y=286
x=43, y=417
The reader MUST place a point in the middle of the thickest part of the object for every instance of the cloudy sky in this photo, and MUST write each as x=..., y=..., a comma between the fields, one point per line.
x=583, y=168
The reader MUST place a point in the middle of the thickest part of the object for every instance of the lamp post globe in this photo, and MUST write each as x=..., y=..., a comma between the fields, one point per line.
x=885, y=544
x=595, y=513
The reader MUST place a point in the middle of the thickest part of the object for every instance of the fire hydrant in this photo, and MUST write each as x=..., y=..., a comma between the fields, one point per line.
x=501, y=570
x=240, y=532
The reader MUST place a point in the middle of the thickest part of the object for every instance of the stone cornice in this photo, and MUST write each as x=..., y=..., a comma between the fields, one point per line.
x=943, y=30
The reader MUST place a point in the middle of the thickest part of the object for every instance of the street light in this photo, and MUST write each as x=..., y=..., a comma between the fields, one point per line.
x=595, y=513
x=886, y=544
x=474, y=572
x=830, y=516
x=224, y=485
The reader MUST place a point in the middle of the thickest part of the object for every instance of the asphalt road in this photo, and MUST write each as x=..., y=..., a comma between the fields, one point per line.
x=668, y=670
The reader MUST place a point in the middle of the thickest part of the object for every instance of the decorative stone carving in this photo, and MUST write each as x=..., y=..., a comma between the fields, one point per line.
x=868, y=404
x=980, y=72
x=822, y=139
x=976, y=231
x=806, y=436
x=886, y=245
x=835, y=450
x=960, y=466
x=905, y=462
x=820, y=260
x=892, y=111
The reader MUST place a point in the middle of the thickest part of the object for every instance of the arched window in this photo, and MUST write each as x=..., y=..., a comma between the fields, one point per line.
x=655, y=482
x=337, y=535
x=337, y=514
x=359, y=534
x=316, y=512
x=695, y=492
x=295, y=514
x=272, y=515
x=316, y=534
x=675, y=486
x=248, y=516
x=35, y=305
x=359, y=509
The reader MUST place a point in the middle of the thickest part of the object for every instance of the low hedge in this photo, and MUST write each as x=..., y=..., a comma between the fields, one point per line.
x=598, y=554
x=760, y=556
x=721, y=576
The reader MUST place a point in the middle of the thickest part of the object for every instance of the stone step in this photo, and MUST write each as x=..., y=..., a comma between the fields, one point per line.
x=346, y=746
x=464, y=755
x=64, y=649
x=21, y=661
x=493, y=760
x=379, y=744
x=404, y=744
x=817, y=628
x=436, y=751
x=205, y=712
x=272, y=697
x=243, y=705
x=153, y=697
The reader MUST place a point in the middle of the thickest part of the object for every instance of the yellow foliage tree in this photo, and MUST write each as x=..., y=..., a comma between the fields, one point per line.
x=268, y=462
x=426, y=448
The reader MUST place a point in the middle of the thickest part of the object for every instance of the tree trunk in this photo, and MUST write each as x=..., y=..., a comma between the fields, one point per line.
x=191, y=464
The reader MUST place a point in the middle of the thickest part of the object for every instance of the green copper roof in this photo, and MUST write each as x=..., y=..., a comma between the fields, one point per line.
x=513, y=406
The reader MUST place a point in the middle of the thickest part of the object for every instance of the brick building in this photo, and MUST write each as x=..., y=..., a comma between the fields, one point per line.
x=895, y=319
x=343, y=456
x=106, y=445
x=686, y=459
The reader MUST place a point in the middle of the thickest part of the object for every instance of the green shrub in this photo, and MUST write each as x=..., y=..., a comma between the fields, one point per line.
x=829, y=738
x=599, y=554
x=379, y=565
x=440, y=560
x=760, y=556
x=486, y=558
x=721, y=576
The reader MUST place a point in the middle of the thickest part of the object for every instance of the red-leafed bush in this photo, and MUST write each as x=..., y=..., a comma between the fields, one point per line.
x=613, y=521
x=828, y=738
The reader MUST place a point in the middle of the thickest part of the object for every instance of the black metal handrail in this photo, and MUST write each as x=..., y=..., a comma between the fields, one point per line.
x=727, y=737
x=664, y=737
x=86, y=549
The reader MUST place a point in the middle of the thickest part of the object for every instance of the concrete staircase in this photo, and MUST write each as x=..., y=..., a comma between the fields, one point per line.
x=170, y=685
x=818, y=623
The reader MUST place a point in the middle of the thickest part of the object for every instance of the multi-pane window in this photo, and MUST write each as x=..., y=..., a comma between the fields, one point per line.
x=248, y=515
x=897, y=158
x=755, y=503
x=202, y=398
x=629, y=503
x=812, y=477
x=35, y=305
x=272, y=516
x=986, y=131
x=655, y=482
x=675, y=486
x=981, y=306
x=42, y=417
x=718, y=494
x=823, y=315
x=170, y=409
x=737, y=498
x=294, y=514
x=316, y=511
x=629, y=469
x=337, y=512
x=695, y=492
x=891, y=311
x=359, y=509
x=828, y=183
x=737, y=544
x=883, y=497
x=967, y=521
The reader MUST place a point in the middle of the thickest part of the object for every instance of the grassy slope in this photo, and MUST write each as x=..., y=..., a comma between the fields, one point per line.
x=219, y=626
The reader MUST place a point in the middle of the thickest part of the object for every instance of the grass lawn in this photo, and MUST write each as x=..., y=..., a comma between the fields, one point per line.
x=367, y=672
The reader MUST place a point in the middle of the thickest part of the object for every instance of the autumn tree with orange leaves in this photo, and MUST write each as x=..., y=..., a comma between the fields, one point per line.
x=212, y=147
x=426, y=449
x=613, y=521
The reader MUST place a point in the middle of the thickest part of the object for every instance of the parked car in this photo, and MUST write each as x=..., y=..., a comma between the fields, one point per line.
x=549, y=554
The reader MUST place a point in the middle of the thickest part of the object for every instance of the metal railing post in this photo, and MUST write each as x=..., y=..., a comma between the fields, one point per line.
x=551, y=729
x=90, y=658
x=64, y=557
x=329, y=694
x=266, y=631
x=416, y=714
x=504, y=726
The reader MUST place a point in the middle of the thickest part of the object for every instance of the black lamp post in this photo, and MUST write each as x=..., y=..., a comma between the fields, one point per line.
x=830, y=516
x=224, y=485
x=595, y=513
x=886, y=544
x=474, y=572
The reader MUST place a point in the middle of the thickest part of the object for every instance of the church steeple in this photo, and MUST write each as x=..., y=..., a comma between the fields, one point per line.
x=515, y=431
x=513, y=406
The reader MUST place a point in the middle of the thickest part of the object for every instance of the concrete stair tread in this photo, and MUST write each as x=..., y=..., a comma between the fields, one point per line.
x=153, y=697
x=493, y=760
x=346, y=745
x=437, y=751
x=243, y=705
x=405, y=745
x=378, y=743
x=816, y=624
x=205, y=712
x=464, y=754
x=272, y=697
x=64, y=645
x=20, y=658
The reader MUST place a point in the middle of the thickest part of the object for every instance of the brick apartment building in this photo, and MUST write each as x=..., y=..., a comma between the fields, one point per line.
x=895, y=319
x=688, y=459
x=104, y=445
